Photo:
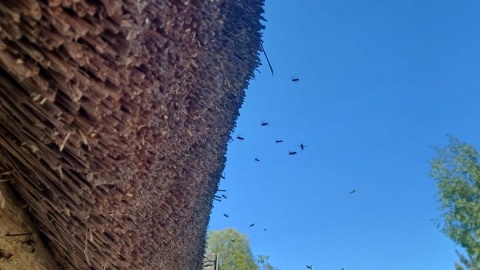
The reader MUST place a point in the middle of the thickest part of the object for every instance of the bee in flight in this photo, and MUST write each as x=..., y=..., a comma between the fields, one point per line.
x=226, y=215
x=278, y=141
x=292, y=153
x=240, y=138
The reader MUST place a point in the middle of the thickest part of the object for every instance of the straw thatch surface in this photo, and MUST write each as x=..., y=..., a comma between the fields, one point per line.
x=115, y=115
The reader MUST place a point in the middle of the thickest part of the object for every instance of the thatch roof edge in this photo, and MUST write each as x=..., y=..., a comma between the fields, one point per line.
x=116, y=118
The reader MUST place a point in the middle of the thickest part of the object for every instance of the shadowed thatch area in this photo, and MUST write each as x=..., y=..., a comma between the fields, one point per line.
x=114, y=121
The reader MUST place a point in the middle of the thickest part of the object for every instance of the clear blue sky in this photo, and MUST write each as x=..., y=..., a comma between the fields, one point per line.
x=381, y=82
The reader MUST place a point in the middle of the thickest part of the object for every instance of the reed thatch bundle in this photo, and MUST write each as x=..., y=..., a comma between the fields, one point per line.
x=114, y=118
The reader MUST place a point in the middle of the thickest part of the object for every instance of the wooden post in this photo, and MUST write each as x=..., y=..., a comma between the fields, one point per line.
x=210, y=262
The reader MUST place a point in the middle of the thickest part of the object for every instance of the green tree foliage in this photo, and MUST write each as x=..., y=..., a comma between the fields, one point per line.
x=233, y=250
x=458, y=266
x=264, y=264
x=456, y=170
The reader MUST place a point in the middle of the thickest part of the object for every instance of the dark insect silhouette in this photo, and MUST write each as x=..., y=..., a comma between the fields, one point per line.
x=265, y=229
x=292, y=153
x=226, y=215
x=240, y=138
x=353, y=191
x=278, y=141
x=310, y=266
x=224, y=196
x=221, y=190
x=251, y=225
x=233, y=240
x=264, y=124
x=295, y=80
x=257, y=160
x=302, y=146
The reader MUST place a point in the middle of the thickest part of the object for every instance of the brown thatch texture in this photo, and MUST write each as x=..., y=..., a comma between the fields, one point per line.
x=115, y=117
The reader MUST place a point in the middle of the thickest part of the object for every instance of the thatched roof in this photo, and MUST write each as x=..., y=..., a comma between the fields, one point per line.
x=115, y=116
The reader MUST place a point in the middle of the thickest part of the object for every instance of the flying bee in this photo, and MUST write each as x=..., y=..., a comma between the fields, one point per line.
x=292, y=153
x=251, y=225
x=226, y=215
x=353, y=191
x=278, y=141
x=265, y=229
x=310, y=266
x=264, y=124
x=240, y=138
x=257, y=160
x=295, y=80
x=223, y=195
x=302, y=146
